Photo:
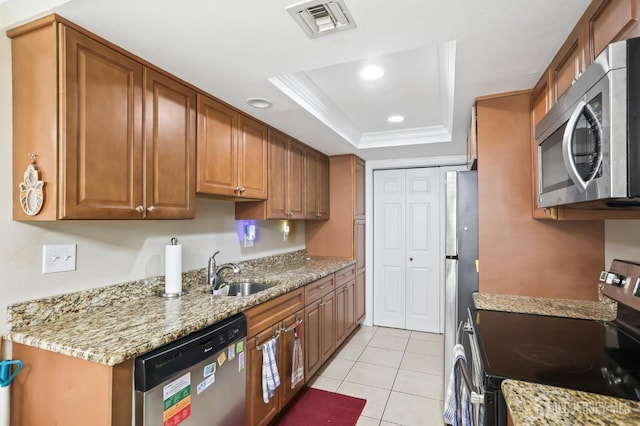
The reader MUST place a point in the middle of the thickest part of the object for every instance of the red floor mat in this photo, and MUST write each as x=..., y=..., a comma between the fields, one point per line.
x=318, y=407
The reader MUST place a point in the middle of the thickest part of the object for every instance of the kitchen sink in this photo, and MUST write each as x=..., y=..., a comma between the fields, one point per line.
x=246, y=288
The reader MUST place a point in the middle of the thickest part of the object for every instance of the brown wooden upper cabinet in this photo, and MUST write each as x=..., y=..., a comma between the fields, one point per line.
x=294, y=182
x=232, y=152
x=316, y=167
x=360, y=189
x=603, y=22
x=286, y=177
x=472, y=142
x=80, y=110
x=606, y=21
x=568, y=63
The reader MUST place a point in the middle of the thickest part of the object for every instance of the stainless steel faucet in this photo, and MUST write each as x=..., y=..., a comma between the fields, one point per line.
x=215, y=280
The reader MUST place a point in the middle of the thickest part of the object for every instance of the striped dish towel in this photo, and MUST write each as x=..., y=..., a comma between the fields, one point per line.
x=270, y=376
x=297, y=367
x=457, y=411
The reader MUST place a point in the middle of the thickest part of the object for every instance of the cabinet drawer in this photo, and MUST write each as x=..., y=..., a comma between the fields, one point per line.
x=345, y=275
x=315, y=290
x=265, y=314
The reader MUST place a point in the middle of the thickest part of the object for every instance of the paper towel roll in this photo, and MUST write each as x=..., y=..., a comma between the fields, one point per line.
x=173, y=269
x=4, y=406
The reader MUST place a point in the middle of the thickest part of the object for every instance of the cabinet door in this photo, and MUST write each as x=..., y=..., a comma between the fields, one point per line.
x=311, y=164
x=101, y=158
x=607, y=21
x=360, y=232
x=328, y=325
x=360, y=188
x=360, y=293
x=340, y=314
x=170, y=148
x=252, y=158
x=323, y=187
x=312, y=339
x=257, y=412
x=277, y=200
x=568, y=63
x=217, y=148
x=295, y=180
x=285, y=347
x=349, y=307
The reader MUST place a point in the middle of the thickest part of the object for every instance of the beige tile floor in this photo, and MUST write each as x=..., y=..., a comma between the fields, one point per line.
x=398, y=372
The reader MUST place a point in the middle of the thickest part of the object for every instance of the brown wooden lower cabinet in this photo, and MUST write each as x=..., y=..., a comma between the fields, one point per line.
x=312, y=339
x=59, y=389
x=341, y=315
x=349, y=308
x=345, y=311
x=360, y=294
x=257, y=411
x=328, y=325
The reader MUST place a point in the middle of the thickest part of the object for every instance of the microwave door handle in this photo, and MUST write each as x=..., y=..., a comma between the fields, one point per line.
x=567, y=154
x=591, y=115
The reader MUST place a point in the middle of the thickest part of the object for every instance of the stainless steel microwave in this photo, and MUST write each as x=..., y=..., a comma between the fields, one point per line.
x=589, y=141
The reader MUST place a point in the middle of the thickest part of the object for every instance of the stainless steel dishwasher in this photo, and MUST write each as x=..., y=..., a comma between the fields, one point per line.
x=196, y=380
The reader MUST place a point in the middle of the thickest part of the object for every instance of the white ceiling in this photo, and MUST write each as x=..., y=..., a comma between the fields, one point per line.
x=438, y=56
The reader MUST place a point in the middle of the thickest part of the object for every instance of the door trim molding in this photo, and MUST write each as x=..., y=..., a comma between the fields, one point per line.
x=401, y=163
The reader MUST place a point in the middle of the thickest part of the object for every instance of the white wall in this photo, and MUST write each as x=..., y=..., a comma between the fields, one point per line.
x=621, y=240
x=110, y=252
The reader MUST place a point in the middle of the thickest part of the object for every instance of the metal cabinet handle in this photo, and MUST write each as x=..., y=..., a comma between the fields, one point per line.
x=151, y=208
x=236, y=189
x=242, y=190
x=318, y=215
x=140, y=209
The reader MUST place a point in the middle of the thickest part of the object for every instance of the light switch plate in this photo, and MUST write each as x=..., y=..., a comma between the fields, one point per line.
x=58, y=258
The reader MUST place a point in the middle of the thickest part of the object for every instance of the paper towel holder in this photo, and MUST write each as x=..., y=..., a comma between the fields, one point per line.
x=174, y=241
x=172, y=295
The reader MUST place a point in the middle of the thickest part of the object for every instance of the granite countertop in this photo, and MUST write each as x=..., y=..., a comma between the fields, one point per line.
x=603, y=310
x=116, y=323
x=534, y=404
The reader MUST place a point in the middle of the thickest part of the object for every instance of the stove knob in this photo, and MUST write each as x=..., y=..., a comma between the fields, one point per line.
x=614, y=279
x=636, y=290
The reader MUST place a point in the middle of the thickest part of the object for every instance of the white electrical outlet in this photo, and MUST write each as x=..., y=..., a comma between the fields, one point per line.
x=58, y=258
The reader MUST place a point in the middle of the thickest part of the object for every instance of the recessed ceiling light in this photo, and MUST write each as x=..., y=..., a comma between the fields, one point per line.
x=371, y=72
x=259, y=103
x=395, y=119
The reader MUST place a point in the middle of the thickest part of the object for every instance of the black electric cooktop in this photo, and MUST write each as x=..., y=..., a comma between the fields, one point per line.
x=585, y=355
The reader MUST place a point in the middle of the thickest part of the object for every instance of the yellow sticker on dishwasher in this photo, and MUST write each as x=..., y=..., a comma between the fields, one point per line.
x=222, y=358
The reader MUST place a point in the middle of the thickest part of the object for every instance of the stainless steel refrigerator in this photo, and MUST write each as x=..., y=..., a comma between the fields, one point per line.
x=461, y=254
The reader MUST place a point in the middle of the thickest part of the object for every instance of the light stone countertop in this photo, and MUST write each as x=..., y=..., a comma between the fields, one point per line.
x=116, y=323
x=603, y=310
x=540, y=405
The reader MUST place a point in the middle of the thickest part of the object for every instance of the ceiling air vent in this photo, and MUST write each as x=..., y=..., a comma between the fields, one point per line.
x=321, y=17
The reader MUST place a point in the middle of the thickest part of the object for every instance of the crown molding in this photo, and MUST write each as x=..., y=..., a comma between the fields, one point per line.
x=305, y=93
x=302, y=90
